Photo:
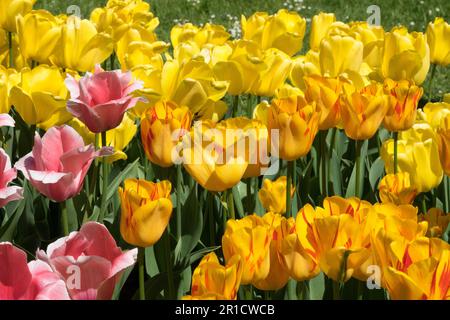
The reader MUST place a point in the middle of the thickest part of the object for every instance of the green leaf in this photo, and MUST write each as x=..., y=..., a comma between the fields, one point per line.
x=237, y=201
x=150, y=262
x=121, y=282
x=129, y=171
x=352, y=182
x=376, y=172
x=192, y=227
x=8, y=229
x=197, y=255
x=317, y=287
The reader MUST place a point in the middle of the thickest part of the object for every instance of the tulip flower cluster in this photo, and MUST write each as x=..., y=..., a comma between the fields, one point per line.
x=225, y=167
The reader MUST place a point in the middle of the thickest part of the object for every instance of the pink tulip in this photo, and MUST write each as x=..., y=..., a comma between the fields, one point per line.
x=100, y=100
x=6, y=120
x=8, y=174
x=59, y=162
x=91, y=254
x=32, y=281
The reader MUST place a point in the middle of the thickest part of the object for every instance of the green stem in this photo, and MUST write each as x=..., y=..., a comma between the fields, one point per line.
x=395, y=152
x=103, y=205
x=430, y=83
x=249, y=106
x=64, y=219
x=336, y=290
x=112, y=59
x=230, y=204
x=332, y=142
x=424, y=205
x=446, y=197
x=235, y=105
x=212, y=225
x=10, y=44
x=249, y=195
x=179, y=190
x=141, y=266
x=169, y=266
x=249, y=292
x=358, y=145
x=324, y=162
x=289, y=177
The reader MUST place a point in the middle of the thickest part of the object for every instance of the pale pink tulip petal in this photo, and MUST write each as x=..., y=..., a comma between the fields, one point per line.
x=102, y=98
x=58, y=163
x=46, y=283
x=6, y=120
x=92, y=270
x=94, y=252
x=9, y=194
x=7, y=174
x=72, y=86
x=15, y=277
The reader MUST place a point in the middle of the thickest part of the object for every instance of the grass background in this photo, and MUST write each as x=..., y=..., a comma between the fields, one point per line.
x=415, y=14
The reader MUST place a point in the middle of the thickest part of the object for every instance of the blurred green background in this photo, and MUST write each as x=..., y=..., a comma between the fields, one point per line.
x=414, y=14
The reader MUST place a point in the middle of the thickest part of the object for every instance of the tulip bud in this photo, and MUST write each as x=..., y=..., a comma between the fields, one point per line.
x=438, y=35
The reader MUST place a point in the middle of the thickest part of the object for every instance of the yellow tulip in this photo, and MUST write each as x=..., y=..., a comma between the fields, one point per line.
x=10, y=10
x=326, y=92
x=191, y=84
x=38, y=34
x=342, y=235
x=146, y=211
x=277, y=277
x=18, y=60
x=208, y=34
x=406, y=56
x=40, y=97
x=362, y=112
x=243, y=67
x=297, y=122
x=443, y=141
x=438, y=35
x=194, y=85
x=119, y=16
x=261, y=112
x=249, y=238
x=340, y=54
x=256, y=140
x=273, y=195
x=397, y=189
x=284, y=30
x=403, y=100
x=435, y=113
x=214, y=154
x=118, y=138
x=210, y=278
x=398, y=222
x=162, y=127
x=208, y=53
x=139, y=46
x=438, y=222
x=8, y=79
x=418, y=154
x=319, y=28
x=304, y=66
x=299, y=248
x=414, y=270
x=150, y=76
x=423, y=280
x=81, y=47
x=273, y=77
